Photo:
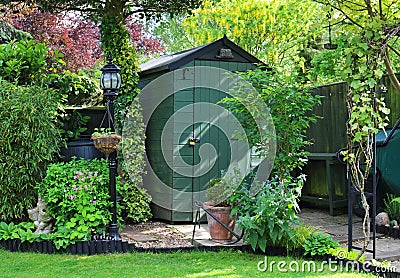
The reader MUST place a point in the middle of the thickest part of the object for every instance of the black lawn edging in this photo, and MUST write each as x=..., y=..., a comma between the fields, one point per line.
x=97, y=247
x=389, y=231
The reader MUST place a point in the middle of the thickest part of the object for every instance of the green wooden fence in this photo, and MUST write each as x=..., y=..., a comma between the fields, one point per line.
x=326, y=182
x=328, y=134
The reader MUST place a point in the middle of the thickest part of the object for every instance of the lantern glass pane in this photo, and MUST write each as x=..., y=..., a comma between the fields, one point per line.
x=113, y=80
x=106, y=80
x=119, y=81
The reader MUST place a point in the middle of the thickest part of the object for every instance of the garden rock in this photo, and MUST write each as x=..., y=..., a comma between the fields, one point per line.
x=382, y=219
x=40, y=218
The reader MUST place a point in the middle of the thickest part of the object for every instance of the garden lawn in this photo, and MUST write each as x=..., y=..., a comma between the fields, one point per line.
x=192, y=264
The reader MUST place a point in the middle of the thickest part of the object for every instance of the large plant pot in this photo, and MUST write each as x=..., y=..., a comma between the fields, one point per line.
x=217, y=232
x=81, y=149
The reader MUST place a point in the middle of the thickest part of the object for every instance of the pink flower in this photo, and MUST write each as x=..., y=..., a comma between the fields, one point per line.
x=94, y=202
x=95, y=174
x=99, y=180
x=83, y=179
x=75, y=188
x=85, y=186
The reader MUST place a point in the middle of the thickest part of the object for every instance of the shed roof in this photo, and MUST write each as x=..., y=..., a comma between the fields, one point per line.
x=204, y=52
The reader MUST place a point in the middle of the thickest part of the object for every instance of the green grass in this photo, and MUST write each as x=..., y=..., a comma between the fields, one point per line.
x=194, y=264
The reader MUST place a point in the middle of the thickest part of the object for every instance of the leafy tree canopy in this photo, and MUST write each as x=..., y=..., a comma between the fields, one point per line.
x=97, y=9
x=369, y=23
x=274, y=31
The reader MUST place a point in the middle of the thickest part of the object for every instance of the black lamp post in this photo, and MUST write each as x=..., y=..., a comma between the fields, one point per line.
x=110, y=82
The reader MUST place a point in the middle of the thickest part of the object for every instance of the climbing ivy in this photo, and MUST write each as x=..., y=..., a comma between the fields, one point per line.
x=367, y=110
x=115, y=40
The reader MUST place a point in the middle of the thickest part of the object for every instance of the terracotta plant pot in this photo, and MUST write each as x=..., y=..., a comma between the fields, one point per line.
x=217, y=232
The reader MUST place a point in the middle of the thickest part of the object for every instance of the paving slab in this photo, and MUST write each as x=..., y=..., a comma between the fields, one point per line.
x=139, y=236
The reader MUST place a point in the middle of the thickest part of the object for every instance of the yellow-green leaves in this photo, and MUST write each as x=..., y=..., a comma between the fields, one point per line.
x=273, y=31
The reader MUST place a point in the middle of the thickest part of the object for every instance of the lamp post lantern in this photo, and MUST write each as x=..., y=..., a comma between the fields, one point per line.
x=110, y=82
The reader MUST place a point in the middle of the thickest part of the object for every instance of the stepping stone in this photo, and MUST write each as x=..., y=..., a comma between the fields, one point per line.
x=141, y=237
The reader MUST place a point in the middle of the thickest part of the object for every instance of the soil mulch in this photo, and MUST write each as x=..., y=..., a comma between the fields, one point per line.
x=153, y=234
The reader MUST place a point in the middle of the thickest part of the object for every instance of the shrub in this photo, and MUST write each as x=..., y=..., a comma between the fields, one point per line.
x=290, y=104
x=29, y=140
x=319, y=244
x=268, y=217
x=23, y=62
x=76, y=195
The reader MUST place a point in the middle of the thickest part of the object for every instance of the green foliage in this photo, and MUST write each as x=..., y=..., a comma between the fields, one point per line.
x=135, y=199
x=319, y=244
x=81, y=89
x=267, y=218
x=24, y=63
x=23, y=231
x=392, y=206
x=290, y=104
x=224, y=192
x=173, y=35
x=76, y=195
x=300, y=234
x=274, y=31
x=9, y=33
x=30, y=139
x=74, y=124
x=115, y=40
x=135, y=203
x=343, y=253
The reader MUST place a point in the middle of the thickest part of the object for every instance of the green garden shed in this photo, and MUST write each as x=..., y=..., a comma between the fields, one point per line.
x=187, y=141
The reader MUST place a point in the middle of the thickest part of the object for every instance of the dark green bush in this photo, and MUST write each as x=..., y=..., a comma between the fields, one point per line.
x=29, y=140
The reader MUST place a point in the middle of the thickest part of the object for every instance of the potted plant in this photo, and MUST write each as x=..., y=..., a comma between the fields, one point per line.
x=106, y=140
x=219, y=204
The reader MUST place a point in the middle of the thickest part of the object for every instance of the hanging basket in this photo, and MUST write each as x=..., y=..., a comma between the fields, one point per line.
x=107, y=143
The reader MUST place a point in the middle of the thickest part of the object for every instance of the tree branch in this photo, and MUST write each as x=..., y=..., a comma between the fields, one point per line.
x=392, y=76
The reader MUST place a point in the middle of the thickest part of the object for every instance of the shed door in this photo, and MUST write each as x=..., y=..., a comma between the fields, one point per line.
x=211, y=156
